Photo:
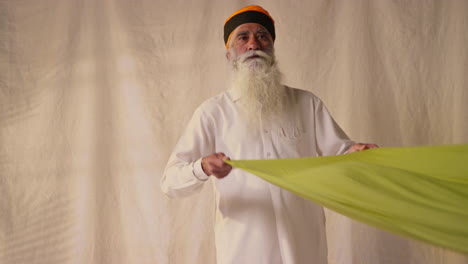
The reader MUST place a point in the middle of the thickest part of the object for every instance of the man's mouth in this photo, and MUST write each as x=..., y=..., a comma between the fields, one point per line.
x=253, y=57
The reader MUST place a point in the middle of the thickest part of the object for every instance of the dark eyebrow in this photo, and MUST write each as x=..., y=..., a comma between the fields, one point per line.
x=242, y=33
x=259, y=31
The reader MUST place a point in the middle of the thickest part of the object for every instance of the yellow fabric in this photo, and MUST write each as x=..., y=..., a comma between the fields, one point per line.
x=421, y=192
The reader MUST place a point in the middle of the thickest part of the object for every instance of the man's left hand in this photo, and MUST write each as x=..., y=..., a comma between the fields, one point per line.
x=360, y=147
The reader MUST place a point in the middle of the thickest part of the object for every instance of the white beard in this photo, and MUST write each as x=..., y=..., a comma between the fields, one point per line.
x=258, y=80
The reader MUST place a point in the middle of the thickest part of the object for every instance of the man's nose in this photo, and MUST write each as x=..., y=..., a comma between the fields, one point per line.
x=253, y=44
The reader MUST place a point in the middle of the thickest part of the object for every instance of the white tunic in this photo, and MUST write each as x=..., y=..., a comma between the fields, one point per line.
x=256, y=221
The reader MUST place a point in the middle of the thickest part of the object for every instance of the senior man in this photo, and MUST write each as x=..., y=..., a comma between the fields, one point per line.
x=256, y=118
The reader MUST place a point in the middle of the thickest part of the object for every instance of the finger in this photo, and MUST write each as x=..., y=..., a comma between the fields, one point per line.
x=221, y=155
x=370, y=146
x=221, y=173
x=223, y=169
x=220, y=176
x=217, y=162
x=222, y=164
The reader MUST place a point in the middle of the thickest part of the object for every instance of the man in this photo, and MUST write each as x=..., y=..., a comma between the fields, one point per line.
x=256, y=118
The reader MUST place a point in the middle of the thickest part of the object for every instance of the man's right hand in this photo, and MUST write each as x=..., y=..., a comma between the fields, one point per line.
x=214, y=165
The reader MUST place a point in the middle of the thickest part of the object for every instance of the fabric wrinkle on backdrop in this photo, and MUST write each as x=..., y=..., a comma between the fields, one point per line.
x=94, y=95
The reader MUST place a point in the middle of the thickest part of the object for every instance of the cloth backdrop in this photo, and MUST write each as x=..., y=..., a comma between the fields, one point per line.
x=95, y=93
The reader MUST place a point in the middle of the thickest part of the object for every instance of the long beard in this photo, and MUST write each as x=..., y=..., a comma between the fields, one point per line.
x=259, y=82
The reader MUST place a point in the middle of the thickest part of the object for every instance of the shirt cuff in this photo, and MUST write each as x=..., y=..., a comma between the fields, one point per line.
x=198, y=172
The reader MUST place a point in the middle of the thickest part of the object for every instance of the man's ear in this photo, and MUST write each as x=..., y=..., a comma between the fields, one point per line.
x=228, y=55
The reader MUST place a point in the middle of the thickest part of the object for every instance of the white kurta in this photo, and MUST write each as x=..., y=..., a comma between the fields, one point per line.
x=256, y=221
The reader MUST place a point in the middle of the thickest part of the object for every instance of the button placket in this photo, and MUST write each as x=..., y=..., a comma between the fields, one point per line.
x=267, y=140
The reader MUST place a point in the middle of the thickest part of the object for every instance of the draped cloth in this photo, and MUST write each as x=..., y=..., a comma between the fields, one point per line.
x=420, y=192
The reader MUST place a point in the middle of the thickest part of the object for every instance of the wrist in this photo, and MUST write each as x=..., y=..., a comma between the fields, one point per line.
x=203, y=166
x=198, y=171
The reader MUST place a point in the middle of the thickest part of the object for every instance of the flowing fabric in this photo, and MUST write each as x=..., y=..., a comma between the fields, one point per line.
x=420, y=192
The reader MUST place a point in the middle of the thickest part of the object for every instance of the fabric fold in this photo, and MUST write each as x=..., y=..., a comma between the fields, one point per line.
x=419, y=192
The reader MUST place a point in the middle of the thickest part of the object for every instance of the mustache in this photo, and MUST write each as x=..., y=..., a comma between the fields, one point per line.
x=252, y=54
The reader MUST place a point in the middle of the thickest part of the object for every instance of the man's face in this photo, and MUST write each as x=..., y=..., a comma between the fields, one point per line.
x=249, y=36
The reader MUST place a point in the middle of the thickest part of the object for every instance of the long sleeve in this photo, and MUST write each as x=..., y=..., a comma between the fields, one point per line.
x=331, y=139
x=183, y=174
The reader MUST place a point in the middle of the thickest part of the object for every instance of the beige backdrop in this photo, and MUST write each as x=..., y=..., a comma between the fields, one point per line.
x=95, y=93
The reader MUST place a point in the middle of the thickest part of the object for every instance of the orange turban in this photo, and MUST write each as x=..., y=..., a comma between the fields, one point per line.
x=248, y=14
